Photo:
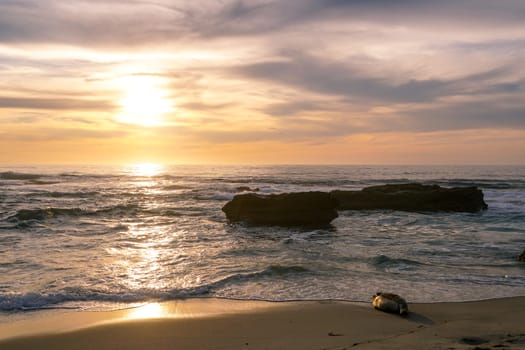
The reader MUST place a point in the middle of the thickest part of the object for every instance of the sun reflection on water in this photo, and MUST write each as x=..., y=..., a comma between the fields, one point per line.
x=147, y=169
x=151, y=310
x=142, y=256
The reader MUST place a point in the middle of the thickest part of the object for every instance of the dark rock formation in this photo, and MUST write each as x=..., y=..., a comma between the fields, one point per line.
x=287, y=209
x=320, y=208
x=412, y=197
x=522, y=256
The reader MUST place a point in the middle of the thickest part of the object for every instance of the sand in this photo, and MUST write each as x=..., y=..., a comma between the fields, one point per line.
x=226, y=324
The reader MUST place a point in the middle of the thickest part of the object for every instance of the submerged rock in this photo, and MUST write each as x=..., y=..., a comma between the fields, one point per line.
x=286, y=209
x=522, y=256
x=412, y=197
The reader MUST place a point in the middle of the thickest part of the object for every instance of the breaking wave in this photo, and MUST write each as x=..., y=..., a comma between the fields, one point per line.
x=383, y=261
x=40, y=301
x=41, y=214
x=11, y=175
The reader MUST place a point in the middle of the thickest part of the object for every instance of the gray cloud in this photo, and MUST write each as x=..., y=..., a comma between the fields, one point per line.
x=204, y=107
x=492, y=99
x=61, y=134
x=65, y=67
x=459, y=116
x=100, y=23
x=297, y=131
x=446, y=117
x=336, y=79
x=465, y=116
x=238, y=18
x=294, y=107
x=91, y=23
x=55, y=103
x=328, y=77
x=23, y=118
x=32, y=118
x=503, y=45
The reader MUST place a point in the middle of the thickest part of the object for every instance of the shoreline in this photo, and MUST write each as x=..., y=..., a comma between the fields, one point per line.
x=209, y=323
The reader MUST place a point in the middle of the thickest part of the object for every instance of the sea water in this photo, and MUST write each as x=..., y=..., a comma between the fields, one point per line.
x=93, y=237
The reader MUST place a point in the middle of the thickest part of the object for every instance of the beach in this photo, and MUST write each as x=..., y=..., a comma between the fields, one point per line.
x=228, y=324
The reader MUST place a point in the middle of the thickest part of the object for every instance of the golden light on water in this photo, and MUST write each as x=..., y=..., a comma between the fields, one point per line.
x=147, y=169
x=140, y=261
x=151, y=310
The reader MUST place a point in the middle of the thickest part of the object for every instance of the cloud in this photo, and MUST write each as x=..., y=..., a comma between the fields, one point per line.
x=338, y=98
x=54, y=103
x=299, y=131
x=255, y=18
x=467, y=115
x=23, y=118
x=328, y=128
x=203, y=107
x=130, y=23
x=241, y=18
x=328, y=77
x=274, y=70
x=292, y=108
x=41, y=134
x=89, y=23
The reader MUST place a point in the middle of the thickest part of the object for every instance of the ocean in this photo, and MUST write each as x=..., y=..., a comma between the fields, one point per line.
x=102, y=238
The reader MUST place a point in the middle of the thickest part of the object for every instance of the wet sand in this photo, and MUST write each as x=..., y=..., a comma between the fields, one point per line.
x=227, y=324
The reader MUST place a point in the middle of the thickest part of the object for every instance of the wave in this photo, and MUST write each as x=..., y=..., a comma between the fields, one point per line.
x=383, y=261
x=43, y=182
x=89, y=175
x=38, y=301
x=498, y=184
x=256, y=181
x=42, y=214
x=11, y=175
x=175, y=187
x=119, y=210
x=26, y=216
x=55, y=194
x=214, y=195
x=270, y=271
x=279, y=269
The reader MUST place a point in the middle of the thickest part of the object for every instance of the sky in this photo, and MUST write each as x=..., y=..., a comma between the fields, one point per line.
x=262, y=82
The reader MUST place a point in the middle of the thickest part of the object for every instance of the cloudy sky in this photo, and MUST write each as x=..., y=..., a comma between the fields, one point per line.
x=262, y=81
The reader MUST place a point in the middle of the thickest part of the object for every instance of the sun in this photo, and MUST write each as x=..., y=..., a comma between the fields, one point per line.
x=144, y=102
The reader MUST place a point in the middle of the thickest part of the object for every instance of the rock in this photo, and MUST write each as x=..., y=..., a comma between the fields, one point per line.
x=412, y=197
x=286, y=209
x=247, y=189
x=522, y=256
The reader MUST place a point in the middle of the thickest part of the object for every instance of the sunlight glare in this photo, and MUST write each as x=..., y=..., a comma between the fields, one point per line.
x=151, y=310
x=144, y=102
x=147, y=169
